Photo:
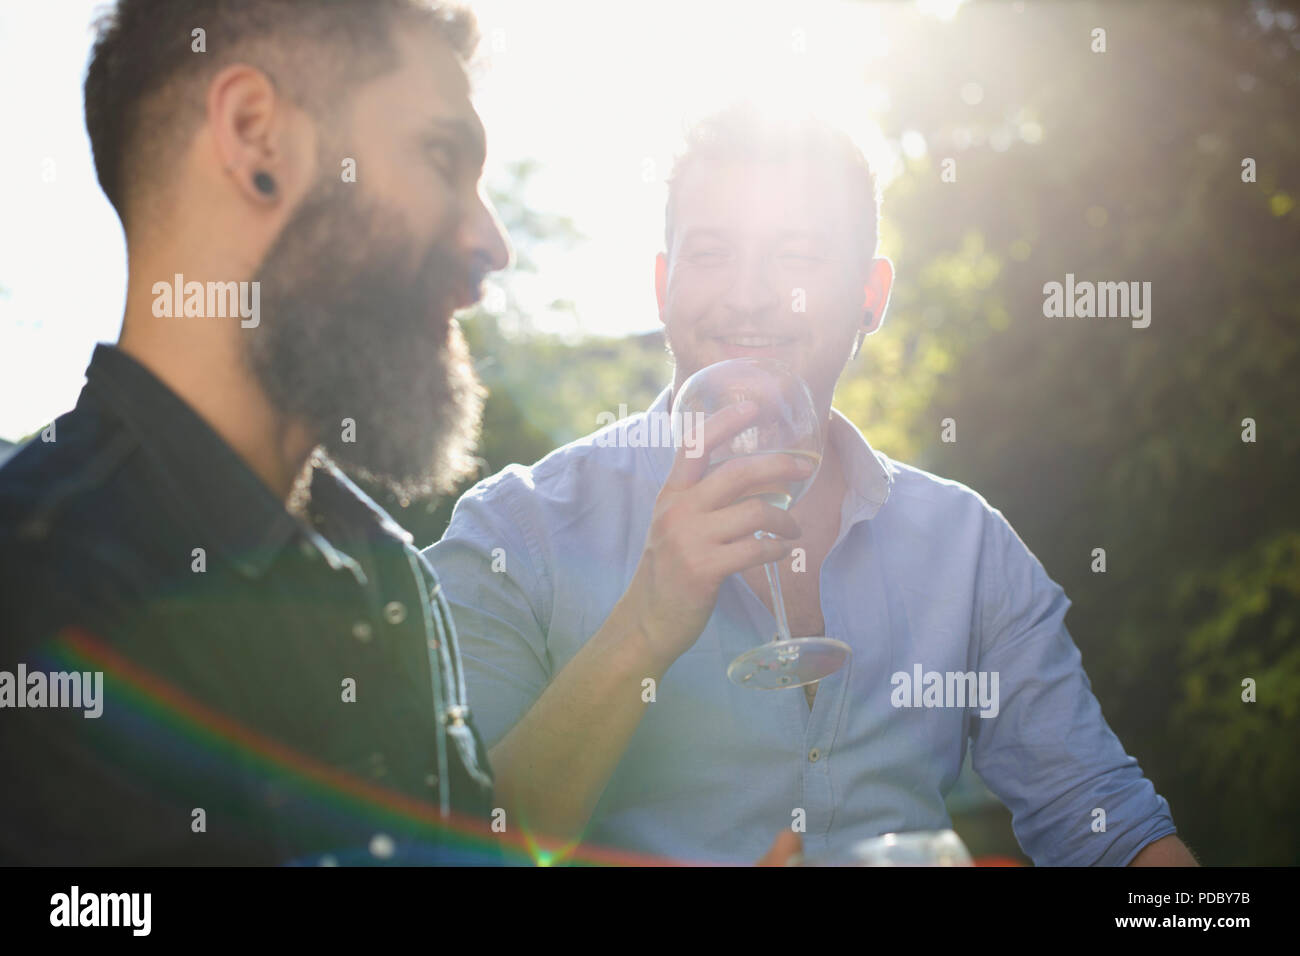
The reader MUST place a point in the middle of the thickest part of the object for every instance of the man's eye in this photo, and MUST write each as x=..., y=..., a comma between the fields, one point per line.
x=444, y=156
x=708, y=257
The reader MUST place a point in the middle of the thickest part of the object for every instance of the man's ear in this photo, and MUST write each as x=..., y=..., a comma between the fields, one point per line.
x=661, y=283
x=261, y=140
x=875, y=294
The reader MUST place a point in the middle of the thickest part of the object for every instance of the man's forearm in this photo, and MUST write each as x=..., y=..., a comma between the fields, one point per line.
x=1167, y=851
x=552, y=767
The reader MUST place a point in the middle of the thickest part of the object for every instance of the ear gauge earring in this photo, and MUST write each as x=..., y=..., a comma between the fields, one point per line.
x=263, y=182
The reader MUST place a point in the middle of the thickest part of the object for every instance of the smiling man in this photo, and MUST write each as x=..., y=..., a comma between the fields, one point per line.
x=282, y=682
x=603, y=591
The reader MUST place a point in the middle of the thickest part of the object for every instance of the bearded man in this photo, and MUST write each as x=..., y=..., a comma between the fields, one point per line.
x=281, y=680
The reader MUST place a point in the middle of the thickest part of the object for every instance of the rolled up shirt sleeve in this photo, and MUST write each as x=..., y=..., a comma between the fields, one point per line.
x=492, y=582
x=1048, y=754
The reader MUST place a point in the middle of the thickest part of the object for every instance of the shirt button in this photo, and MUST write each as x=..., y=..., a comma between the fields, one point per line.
x=382, y=846
x=378, y=767
x=395, y=612
x=431, y=779
x=361, y=631
x=814, y=755
x=307, y=550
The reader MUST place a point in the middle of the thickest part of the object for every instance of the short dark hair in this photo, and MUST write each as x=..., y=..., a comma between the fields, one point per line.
x=145, y=84
x=746, y=131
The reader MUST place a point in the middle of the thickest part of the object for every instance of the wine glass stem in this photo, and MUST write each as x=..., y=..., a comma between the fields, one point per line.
x=778, y=602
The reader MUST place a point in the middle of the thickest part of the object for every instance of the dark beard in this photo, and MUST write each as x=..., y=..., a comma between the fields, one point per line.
x=351, y=330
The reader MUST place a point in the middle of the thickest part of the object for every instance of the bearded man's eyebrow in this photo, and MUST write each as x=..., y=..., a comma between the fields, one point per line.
x=467, y=136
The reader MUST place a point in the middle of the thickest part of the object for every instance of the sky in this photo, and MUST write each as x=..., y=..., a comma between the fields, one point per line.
x=597, y=94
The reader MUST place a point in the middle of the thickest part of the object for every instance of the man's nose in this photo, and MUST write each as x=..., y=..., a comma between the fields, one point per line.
x=482, y=237
x=752, y=290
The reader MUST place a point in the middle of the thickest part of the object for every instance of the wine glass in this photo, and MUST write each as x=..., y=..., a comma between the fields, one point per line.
x=911, y=848
x=786, y=423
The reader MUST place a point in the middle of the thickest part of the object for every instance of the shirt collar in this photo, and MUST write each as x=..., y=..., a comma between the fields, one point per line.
x=233, y=512
x=661, y=459
x=332, y=490
x=869, y=474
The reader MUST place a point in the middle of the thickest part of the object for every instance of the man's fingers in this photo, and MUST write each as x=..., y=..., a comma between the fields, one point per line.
x=751, y=474
x=749, y=552
x=698, y=439
x=786, y=848
x=753, y=514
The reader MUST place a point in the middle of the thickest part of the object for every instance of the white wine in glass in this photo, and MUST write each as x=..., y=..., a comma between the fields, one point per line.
x=786, y=423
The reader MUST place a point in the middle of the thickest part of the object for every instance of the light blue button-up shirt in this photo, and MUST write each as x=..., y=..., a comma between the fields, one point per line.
x=924, y=573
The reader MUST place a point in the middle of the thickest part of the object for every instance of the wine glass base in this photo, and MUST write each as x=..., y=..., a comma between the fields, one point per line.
x=793, y=663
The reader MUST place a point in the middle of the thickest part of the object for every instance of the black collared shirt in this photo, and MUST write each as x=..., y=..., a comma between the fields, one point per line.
x=275, y=689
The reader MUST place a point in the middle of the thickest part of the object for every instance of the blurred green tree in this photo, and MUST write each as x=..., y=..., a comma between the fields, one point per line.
x=1089, y=433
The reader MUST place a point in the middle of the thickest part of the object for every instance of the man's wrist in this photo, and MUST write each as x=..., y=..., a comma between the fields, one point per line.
x=635, y=638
